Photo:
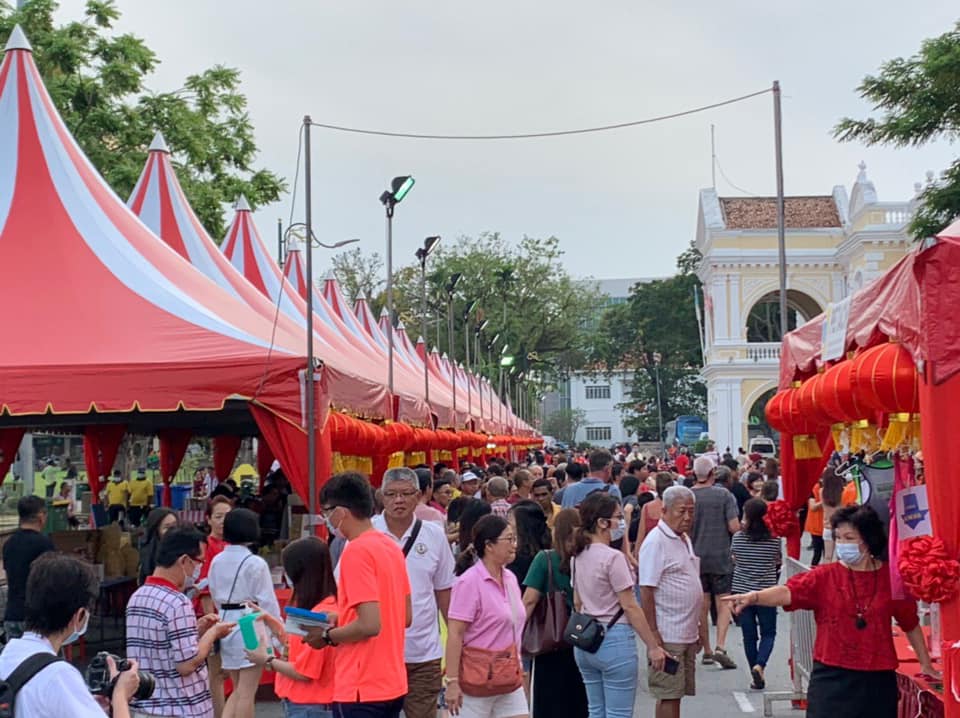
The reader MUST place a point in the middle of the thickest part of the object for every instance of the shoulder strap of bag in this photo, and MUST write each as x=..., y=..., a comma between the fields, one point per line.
x=616, y=617
x=550, y=581
x=236, y=576
x=413, y=537
x=25, y=671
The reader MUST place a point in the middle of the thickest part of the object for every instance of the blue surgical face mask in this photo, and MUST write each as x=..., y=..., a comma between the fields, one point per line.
x=75, y=636
x=850, y=553
x=618, y=530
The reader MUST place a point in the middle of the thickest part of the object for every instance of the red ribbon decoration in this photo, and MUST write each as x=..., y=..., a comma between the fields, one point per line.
x=927, y=570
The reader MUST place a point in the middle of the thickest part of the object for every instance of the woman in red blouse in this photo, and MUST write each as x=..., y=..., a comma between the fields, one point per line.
x=854, y=657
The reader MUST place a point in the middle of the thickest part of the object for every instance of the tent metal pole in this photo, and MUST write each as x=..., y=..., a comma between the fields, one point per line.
x=311, y=409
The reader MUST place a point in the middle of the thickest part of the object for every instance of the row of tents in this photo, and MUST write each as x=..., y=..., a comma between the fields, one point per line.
x=128, y=318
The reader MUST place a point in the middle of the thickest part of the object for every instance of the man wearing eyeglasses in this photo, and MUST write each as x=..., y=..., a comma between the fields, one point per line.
x=430, y=570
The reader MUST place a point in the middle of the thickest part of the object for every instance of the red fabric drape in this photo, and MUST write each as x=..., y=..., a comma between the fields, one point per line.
x=173, y=445
x=380, y=464
x=100, y=446
x=225, y=449
x=265, y=459
x=798, y=477
x=289, y=444
x=9, y=444
x=940, y=409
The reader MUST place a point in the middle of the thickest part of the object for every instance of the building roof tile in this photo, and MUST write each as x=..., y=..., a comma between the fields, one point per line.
x=761, y=212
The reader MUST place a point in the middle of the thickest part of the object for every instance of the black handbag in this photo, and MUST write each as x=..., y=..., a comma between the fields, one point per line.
x=544, y=630
x=584, y=631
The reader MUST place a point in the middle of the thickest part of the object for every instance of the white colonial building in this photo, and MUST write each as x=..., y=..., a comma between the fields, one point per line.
x=835, y=244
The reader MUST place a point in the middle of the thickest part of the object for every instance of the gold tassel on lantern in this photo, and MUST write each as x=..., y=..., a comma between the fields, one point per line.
x=863, y=435
x=898, y=432
x=915, y=432
x=806, y=446
x=837, y=431
x=396, y=460
x=337, y=465
x=415, y=458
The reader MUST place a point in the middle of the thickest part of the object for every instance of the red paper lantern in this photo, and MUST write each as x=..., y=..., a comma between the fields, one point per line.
x=884, y=378
x=775, y=412
x=401, y=436
x=838, y=399
x=809, y=398
x=337, y=426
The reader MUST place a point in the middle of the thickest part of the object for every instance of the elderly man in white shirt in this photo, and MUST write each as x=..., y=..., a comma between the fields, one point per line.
x=430, y=570
x=671, y=597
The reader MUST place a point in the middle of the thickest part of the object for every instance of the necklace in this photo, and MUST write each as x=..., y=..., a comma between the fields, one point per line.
x=860, y=619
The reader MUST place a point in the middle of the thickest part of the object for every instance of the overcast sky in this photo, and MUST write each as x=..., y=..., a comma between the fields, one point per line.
x=622, y=203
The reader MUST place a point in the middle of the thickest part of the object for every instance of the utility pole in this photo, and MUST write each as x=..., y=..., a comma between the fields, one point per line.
x=781, y=215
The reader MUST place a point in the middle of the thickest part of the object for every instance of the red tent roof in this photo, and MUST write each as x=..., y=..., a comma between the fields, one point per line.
x=103, y=315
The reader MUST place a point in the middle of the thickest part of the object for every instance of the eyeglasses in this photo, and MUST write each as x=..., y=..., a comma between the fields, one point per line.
x=509, y=539
x=393, y=495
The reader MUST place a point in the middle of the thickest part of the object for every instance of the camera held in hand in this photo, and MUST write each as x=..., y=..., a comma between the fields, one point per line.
x=100, y=683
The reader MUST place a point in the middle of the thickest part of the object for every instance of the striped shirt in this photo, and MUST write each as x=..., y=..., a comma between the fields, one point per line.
x=669, y=565
x=162, y=632
x=755, y=563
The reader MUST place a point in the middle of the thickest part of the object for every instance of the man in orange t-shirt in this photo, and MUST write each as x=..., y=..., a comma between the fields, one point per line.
x=373, y=606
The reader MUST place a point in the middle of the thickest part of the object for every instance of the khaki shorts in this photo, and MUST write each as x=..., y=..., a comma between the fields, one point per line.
x=666, y=687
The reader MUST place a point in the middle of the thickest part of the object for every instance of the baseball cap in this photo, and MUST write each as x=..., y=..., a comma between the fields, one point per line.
x=469, y=476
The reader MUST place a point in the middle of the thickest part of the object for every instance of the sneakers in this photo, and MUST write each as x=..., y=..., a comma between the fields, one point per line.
x=707, y=659
x=758, y=682
x=720, y=656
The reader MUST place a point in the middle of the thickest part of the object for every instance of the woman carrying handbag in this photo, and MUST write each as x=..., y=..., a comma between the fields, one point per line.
x=607, y=617
x=486, y=616
x=556, y=685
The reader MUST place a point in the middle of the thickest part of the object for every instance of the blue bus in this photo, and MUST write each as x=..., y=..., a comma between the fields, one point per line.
x=685, y=430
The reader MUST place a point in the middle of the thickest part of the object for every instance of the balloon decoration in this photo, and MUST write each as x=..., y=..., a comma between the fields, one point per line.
x=885, y=379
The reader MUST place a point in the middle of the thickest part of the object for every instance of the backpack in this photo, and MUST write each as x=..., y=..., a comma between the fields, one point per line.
x=10, y=687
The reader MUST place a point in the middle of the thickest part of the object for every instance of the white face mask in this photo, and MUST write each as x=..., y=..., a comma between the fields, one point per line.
x=75, y=636
x=849, y=553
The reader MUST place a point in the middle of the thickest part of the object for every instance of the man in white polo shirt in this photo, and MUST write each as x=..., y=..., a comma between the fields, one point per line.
x=671, y=596
x=430, y=570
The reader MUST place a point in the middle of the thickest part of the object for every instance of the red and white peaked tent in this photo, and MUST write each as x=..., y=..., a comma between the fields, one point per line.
x=111, y=324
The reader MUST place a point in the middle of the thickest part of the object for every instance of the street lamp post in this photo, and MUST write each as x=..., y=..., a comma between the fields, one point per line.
x=479, y=361
x=451, y=287
x=399, y=187
x=466, y=353
x=429, y=244
x=656, y=369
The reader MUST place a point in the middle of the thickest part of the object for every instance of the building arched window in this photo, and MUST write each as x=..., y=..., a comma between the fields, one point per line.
x=763, y=321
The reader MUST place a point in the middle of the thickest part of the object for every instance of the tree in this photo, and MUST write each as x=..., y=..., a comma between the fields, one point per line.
x=658, y=322
x=97, y=82
x=522, y=290
x=360, y=275
x=563, y=424
x=917, y=97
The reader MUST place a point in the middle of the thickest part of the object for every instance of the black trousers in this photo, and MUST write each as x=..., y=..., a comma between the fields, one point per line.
x=817, y=543
x=376, y=709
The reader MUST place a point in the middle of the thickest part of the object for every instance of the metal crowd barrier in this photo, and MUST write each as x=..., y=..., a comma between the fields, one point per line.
x=803, y=632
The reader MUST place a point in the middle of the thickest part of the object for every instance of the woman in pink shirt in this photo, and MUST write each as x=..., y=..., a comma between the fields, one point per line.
x=603, y=588
x=486, y=613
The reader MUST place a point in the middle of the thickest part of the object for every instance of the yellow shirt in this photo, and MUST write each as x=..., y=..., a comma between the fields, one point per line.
x=117, y=493
x=141, y=491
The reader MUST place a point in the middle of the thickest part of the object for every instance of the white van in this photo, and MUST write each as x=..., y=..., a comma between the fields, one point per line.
x=764, y=446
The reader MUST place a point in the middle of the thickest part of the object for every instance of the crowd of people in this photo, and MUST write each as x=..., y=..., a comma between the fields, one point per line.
x=459, y=588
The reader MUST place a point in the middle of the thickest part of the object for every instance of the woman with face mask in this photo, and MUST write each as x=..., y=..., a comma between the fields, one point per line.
x=854, y=657
x=603, y=588
x=239, y=577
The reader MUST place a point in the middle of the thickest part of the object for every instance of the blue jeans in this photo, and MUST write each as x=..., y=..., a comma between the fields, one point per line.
x=610, y=674
x=758, y=650
x=306, y=710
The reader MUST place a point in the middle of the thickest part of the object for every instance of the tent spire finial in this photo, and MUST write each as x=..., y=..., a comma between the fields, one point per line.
x=242, y=205
x=18, y=40
x=159, y=144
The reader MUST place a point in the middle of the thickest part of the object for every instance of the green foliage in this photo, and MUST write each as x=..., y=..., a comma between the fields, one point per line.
x=359, y=275
x=97, y=82
x=522, y=289
x=657, y=320
x=564, y=423
x=917, y=99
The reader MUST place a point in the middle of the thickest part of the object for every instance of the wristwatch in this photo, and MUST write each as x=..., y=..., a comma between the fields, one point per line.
x=269, y=662
x=326, y=637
